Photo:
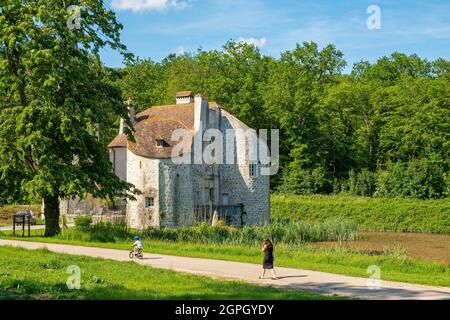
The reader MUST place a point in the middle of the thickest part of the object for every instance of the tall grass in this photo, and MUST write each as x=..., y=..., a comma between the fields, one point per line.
x=100, y=232
x=280, y=232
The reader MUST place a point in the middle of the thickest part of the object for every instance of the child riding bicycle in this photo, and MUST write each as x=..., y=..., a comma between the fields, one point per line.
x=137, y=245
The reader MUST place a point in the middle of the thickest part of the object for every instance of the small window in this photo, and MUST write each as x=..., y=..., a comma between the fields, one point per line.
x=160, y=143
x=149, y=202
x=225, y=199
x=253, y=169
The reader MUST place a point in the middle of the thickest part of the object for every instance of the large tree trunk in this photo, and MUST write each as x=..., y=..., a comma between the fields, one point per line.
x=51, y=212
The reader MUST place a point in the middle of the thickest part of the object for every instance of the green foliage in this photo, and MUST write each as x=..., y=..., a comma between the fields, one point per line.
x=83, y=222
x=416, y=179
x=362, y=183
x=374, y=214
x=99, y=232
x=305, y=181
x=395, y=110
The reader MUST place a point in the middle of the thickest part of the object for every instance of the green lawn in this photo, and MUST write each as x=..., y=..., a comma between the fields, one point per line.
x=40, y=274
x=394, y=266
x=374, y=214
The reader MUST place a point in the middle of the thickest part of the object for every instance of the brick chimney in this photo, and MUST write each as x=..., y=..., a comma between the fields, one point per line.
x=185, y=97
x=201, y=115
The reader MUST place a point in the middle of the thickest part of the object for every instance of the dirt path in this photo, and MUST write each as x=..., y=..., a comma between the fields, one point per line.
x=319, y=282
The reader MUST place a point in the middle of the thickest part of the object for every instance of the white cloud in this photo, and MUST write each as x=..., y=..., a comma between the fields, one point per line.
x=180, y=51
x=148, y=5
x=256, y=42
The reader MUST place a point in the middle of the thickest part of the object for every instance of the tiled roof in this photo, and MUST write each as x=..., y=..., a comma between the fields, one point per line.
x=121, y=141
x=184, y=94
x=158, y=122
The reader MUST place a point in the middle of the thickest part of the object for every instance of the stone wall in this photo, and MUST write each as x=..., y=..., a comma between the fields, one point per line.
x=143, y=173
x=176, y=194
x=118, y=157
x=235, y=179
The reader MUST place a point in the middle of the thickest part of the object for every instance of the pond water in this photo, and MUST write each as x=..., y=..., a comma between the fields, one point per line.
x=428, y=246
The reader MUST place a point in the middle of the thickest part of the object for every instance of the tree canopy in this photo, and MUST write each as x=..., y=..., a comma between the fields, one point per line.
x=336, y=129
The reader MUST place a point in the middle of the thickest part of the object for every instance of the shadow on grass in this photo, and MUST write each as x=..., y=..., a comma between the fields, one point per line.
x=36, y=290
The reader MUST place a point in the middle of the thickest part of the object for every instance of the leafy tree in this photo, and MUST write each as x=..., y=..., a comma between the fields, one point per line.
x=339, y=129
x=295, y=87
x=145, y=82
x=415, y=119
x=53, y=100
x=420, y=179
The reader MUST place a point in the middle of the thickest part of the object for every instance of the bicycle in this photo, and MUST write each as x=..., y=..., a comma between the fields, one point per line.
x=139, y=254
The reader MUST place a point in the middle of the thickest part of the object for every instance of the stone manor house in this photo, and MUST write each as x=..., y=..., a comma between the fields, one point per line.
x=177, y=194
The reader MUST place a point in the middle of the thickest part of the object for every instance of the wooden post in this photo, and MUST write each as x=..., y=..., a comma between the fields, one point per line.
x=14, y=225
x=29, y=226
x=23, y=226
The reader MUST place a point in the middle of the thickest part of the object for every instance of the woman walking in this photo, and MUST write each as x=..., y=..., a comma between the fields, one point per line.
x=267, y=248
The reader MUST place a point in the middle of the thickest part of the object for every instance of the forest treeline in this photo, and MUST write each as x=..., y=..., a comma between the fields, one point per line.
x=382, y=129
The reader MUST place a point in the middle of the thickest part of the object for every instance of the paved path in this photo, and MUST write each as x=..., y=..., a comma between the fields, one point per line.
x=319, y=282
x=35, y=227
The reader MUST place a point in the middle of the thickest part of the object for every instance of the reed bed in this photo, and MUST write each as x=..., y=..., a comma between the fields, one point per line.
x=290, y=233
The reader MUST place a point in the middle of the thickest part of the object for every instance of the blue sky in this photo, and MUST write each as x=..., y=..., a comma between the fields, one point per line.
x=155, y=28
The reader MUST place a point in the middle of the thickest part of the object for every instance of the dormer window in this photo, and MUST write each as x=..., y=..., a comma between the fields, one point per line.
x=160, y=143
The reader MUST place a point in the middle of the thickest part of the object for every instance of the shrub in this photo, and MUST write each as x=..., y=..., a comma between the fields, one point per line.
x=306, y=181
x=109, y=232
x=83, y=222
x=362, y=183
x=419, y=179
x=100, y=232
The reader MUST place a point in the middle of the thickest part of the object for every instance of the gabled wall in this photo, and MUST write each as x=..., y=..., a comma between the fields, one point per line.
x=235, y=179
